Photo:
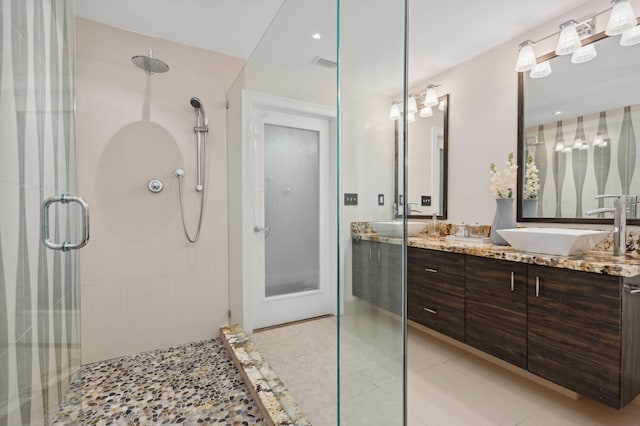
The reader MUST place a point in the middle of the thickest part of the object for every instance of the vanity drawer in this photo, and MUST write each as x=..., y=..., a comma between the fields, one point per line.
x=439, y=311
x=439, y=271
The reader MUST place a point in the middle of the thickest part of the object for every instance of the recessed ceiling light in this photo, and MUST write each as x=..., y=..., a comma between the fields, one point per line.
x=557, y=113
x=316, y=36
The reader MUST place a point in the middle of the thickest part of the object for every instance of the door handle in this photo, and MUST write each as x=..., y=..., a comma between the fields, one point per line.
x=257, y=229
x=44, y=222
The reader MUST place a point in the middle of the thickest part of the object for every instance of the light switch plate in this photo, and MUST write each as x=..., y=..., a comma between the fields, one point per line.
x=381, y=199
x=350, y=199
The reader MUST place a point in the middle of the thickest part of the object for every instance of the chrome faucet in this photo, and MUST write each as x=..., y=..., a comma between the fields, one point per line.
x=619, y=211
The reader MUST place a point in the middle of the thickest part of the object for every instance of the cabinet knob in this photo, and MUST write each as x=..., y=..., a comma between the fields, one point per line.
x=432, y=270
x=431, y=311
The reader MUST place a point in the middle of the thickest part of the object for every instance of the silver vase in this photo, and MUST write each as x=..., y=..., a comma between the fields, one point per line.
x=529, y=207
x=504, y=219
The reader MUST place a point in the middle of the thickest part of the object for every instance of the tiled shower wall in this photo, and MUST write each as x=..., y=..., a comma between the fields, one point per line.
x=39, y=321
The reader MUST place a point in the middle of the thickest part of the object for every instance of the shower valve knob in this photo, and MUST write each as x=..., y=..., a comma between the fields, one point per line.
x=155, y=185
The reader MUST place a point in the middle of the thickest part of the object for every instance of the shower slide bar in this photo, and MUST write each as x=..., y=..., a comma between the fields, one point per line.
x=44, y=221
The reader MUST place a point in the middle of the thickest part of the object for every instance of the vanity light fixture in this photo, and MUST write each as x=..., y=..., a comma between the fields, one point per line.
x=426, y=112
x=584, y=54
x=542, y=69
x=394, y=113
x=630, y=37
x=412, y=105
x=560, y=147
x=622, y=18
x=569, y=39
x=526, y=57
x=431, y=97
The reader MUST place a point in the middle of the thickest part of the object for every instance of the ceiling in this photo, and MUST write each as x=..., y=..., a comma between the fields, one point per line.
x=232, y=27
x=235, y=27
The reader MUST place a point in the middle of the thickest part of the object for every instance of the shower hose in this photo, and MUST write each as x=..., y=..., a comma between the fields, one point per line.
x=180, y=175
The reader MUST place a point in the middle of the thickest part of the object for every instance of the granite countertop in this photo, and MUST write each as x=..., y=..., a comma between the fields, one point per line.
x=600, y=262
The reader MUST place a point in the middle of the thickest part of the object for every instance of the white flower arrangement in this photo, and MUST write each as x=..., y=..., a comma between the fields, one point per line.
x=531, y=181
x=503, y=182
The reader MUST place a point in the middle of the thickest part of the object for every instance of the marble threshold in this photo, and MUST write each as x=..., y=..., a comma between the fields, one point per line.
x=272, y=396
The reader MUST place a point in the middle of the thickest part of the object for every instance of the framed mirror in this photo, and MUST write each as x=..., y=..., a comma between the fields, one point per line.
x=427, y=163
x=579, y=127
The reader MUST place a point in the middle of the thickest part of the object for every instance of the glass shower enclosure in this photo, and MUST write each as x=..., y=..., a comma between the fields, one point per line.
x=308, y=127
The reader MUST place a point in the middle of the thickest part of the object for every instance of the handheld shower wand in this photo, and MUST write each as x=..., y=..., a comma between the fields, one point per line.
x=201, y=128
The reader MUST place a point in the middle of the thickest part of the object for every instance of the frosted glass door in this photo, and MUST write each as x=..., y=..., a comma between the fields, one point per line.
x=291, y=210
x=291, y=265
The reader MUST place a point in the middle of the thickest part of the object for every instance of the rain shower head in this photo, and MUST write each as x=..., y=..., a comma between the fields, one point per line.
x=149, y=64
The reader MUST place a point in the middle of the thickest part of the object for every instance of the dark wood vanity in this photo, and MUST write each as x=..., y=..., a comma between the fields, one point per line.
x=577, y=329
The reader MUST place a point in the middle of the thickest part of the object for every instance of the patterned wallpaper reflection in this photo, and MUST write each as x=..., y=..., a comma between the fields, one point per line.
x=590, y=155
x=39, y=304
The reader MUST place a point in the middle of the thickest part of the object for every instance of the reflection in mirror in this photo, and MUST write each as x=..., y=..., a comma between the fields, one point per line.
x=578, y=130
x=427, y=162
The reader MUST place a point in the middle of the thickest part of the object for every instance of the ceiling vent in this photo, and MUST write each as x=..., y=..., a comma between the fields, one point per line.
x=325, y=62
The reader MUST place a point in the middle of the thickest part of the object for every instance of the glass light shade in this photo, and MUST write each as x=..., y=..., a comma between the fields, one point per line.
x=411, y=117
x=394, y=113
x=584, y=54
x=622, y=18
x=560, y=147
x=569, y=39
x=600, y=140
x=577, y=144
x=431, y=97
x=567, y=149
x=426, y=112
x=526, y=57
x=441, y=105
x=630, y=37
x=542, y=69
x=584, y=147
x=412, y=106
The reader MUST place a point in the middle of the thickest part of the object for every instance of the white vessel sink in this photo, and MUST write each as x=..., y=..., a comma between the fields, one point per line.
x=559, y=241
x=394, y=229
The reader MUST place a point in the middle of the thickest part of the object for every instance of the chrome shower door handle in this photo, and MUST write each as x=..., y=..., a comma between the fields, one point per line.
x=44, y=221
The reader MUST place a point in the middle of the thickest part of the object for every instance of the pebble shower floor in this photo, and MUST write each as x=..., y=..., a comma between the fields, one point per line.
x=190, y=384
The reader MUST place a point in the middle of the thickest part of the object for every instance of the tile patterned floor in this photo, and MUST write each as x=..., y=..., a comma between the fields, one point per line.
x=446, y=385
x=189, y=384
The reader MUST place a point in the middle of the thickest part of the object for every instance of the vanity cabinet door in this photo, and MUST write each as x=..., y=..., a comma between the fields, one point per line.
x=575, y=331
x=359, y=266
x=496, y=308
x=376, y=274
x=390, y=277
x=435, y=290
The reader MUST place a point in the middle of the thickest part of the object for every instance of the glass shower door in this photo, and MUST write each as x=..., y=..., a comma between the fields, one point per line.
x=372, y=324
x=39, y=287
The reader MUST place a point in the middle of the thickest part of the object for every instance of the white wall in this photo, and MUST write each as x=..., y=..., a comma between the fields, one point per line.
x=483, y=115
x=143, y=285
